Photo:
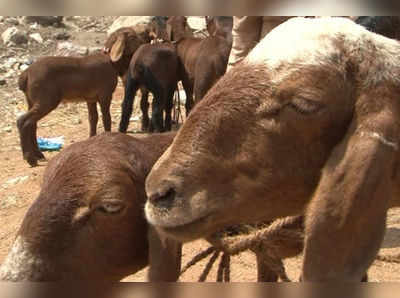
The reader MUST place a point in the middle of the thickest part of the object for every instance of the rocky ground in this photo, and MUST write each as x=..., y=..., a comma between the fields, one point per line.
x=20, y=184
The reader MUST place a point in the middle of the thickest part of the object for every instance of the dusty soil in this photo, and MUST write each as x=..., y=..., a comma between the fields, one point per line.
x=20, y=184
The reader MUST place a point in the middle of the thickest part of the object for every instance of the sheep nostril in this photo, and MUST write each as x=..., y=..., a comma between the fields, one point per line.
x=163, y=198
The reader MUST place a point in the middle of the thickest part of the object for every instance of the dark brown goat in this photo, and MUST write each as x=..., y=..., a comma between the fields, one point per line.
x=87, y=222
x=204, y=60
x=157, y=67
x=51, y=80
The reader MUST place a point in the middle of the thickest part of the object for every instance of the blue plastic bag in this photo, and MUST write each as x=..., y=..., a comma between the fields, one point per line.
x=50, y=144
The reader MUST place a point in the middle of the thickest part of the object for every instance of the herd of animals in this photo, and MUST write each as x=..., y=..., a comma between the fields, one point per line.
x=306, y=125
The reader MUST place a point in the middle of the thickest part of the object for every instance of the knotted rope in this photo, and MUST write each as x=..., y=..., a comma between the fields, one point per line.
x=267, y=243
x=282, y=239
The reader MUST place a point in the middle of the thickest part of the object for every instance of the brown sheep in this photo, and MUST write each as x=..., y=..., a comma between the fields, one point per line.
x=87, y=222
x=51, y=80
x=157, y=68
x=308, y=128
x=90, y=211
x=204, y=60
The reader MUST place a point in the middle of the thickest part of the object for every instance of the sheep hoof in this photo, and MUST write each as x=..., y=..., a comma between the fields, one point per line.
x=32, y=162
x=31, y=158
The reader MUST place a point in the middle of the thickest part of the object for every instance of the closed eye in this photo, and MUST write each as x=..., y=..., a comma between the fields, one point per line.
x=304, y=106
x=110, y=207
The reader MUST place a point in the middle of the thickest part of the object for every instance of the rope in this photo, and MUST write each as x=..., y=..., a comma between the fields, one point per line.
x=270, y=244
x=223, y=274
x=208, y=267
x=267, y=243
x=197, y=258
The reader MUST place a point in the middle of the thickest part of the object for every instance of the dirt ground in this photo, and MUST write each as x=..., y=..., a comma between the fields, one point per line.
x=20, y=185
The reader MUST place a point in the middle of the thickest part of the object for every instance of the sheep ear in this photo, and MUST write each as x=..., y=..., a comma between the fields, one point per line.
x=118, y=48
x=345, y=220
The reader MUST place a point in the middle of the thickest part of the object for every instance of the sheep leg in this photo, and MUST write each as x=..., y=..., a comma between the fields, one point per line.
x=188, y=86
x=157, y=112
x=93, y=117
x=38, y=153
x=127, y=104
x=105, y=113
x=168, y=108
x=144, y=106
x=27, y=131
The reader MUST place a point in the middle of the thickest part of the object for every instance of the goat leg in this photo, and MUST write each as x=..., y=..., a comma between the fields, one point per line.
x=105, y=112
x=93, y=117
x=168, y=109
x=144, y=106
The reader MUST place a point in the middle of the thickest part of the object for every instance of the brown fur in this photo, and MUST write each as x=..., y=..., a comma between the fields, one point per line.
x=204, y=60
x=280, y=136
x=51, y=80
x=69, y=227
x=157, y=67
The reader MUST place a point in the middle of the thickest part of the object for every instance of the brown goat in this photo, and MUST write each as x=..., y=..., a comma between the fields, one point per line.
x=51, y=80
x=312, y=129
x=204, y=60
x=157, y=68
x=90, y=211
x=87, y=222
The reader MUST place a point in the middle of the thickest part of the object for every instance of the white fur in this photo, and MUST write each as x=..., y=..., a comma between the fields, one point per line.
x=20, y=264
x=305, y=41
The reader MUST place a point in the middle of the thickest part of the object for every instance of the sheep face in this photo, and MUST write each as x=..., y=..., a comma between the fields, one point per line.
x=87, y=223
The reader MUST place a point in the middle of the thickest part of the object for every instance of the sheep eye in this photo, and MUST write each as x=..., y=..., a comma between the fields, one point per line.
x=305, y=106
x=110, y=207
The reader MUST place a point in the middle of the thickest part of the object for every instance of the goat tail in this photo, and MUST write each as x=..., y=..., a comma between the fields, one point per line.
x=127, y=104
x=23, y=81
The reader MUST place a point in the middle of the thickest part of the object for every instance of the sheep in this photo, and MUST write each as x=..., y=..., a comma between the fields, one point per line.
x=157, y=67
x=87, y=222
x=51, y=80
x=93, y=191
x=204, y=60
x=311, y=129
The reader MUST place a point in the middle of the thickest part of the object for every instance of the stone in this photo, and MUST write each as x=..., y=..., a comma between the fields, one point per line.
x=7, y=129
x=12, y=21
x=138, y=22
x=14, y=181
x=23, y=67
x=62, y=36
x=36, y=37
x=95, y=50
x=10, y=62
x=13, y=35
x=3, y=82
x=197, y=23
x=55, y=21
x=66, y=48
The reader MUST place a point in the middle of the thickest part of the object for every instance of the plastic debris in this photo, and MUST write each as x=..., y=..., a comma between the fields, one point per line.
x=50, y=144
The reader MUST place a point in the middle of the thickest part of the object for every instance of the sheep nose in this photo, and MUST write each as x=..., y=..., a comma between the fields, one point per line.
x=164, y=198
